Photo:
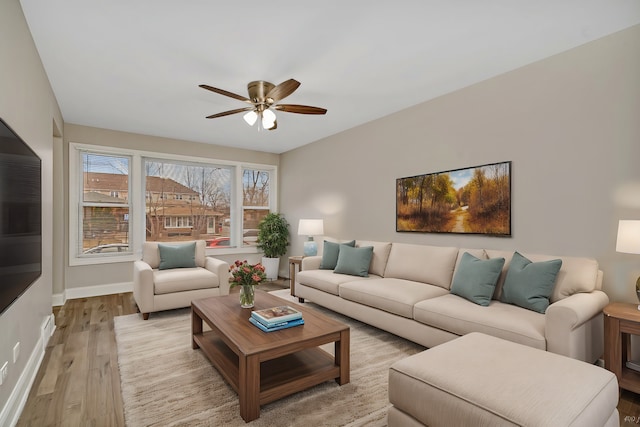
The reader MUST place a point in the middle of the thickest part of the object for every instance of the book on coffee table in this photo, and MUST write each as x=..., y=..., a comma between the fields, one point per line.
x=273, y=315
x=277, y=326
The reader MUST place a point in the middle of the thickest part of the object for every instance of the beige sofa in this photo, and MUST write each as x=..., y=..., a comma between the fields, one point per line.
x=407, y=293
x=157, y=290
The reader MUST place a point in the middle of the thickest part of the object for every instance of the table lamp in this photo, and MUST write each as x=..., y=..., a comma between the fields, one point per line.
x=629, y=242
x=310, y=227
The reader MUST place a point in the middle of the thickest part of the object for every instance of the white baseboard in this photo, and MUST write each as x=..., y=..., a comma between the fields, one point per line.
x=91, y=291
x=57, y=300
x=15, y=404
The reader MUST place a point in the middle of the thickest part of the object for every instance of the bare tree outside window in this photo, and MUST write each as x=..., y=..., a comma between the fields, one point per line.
x=255, y=190
x=187, y=201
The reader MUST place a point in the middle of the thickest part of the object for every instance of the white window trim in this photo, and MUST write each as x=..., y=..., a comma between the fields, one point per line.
x=138, y=194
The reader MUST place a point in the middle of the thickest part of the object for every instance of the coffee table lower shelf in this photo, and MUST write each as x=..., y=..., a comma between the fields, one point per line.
x=279, y=377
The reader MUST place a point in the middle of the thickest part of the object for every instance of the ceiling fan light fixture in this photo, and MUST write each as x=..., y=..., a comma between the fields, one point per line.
x=268, y=119
x=250, y=118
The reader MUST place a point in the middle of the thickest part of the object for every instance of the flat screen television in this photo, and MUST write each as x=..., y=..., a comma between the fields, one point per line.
x=20, y=216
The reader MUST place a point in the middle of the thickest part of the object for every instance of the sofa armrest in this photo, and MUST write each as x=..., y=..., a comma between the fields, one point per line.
x=574, y=326
x=311, y=262
x=143, y=286
x=221, y=269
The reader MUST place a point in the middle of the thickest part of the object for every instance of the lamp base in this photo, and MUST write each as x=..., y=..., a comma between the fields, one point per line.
x=310, y=248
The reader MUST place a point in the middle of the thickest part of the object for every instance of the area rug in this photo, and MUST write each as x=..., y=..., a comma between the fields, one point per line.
x=166, y=383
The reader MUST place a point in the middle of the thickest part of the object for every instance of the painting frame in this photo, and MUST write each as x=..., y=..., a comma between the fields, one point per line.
x=471, y=200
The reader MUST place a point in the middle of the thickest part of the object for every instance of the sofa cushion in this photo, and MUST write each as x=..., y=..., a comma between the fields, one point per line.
x=330, y=252
x=354, y=261
x=459, y=316
x=421, y=263
x=577, y=274
x=397, y=296
x=177, y=256
x=326, y=280
x=380, y=255
x=529, y=284
x=183, y=279
x=475, y=279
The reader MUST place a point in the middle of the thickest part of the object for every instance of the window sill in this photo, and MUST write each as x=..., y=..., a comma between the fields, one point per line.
x=231, y=251
x=78, y=261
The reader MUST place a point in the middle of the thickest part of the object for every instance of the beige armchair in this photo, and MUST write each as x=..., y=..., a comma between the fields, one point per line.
x=155, y=289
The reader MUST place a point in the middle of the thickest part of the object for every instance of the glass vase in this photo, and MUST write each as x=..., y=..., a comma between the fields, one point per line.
x=247, y=296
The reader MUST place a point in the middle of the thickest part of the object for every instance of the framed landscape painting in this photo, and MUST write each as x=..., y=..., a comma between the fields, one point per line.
x=475, y=200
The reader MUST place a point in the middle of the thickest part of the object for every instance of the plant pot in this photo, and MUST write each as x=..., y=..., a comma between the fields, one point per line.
x=271, y=267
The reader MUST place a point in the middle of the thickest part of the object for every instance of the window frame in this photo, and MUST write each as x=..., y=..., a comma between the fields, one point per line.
x=137, y=200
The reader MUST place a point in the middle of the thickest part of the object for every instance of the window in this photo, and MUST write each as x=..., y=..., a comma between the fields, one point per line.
x=178, y=222
x=255, y=202
x=104, y=213
x=120, y=198
x=188, y=195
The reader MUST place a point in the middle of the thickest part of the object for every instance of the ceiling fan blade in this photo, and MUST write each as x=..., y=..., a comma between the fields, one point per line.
x=225, y=93
x=283, y=90
x=275, y=125
x=300, y=109
x=227, y=113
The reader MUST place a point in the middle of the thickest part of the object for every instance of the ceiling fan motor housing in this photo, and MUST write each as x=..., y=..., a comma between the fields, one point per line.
x=258, y=91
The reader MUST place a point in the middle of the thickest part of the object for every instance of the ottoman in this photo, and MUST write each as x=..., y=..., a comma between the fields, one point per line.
x=480, y=380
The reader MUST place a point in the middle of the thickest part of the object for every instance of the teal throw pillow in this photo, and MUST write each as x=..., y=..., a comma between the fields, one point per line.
x=177, y=256
x=330, y=253
x=530, y=284
x=476, y=279
x=354, y=261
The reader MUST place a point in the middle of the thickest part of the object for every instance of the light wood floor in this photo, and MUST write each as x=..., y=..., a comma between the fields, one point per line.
x=78, y=383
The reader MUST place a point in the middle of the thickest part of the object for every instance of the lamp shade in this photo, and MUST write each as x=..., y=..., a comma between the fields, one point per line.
x=628, y=236
x=310, y=227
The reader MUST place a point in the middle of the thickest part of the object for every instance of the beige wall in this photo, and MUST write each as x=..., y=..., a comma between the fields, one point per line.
x=568, y=123
x=27, y=104
x=107, y=274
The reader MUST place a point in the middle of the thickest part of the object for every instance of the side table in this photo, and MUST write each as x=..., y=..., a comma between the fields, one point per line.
x=621, y=320
x=293, y=261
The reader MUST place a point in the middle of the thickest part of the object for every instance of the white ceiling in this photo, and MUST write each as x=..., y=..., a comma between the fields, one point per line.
x=135, y=65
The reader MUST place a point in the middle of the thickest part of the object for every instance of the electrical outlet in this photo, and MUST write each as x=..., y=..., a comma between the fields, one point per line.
x=16, y=352
x=4, y=371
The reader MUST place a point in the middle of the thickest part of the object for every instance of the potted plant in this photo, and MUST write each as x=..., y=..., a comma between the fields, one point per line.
x=273, y=238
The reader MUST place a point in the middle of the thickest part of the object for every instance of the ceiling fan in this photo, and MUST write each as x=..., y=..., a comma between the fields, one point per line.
x=264, y=97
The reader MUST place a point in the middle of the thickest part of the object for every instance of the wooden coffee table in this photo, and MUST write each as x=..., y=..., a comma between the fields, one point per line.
x=266, y=366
